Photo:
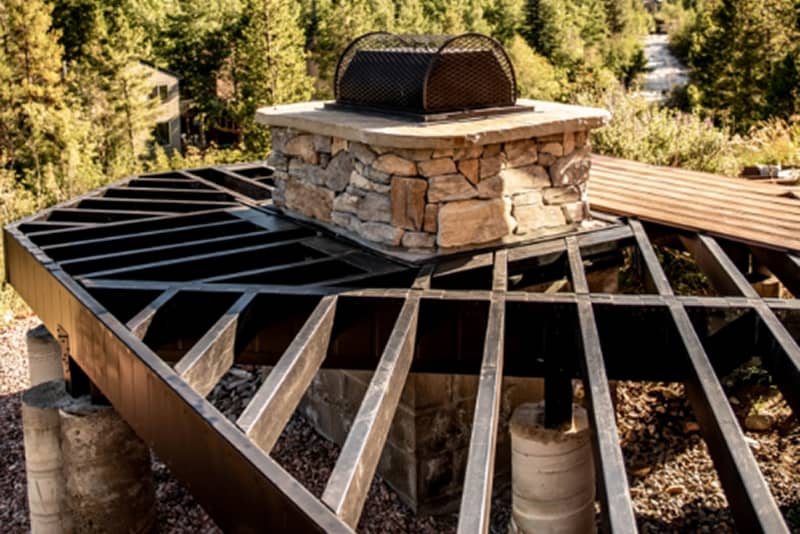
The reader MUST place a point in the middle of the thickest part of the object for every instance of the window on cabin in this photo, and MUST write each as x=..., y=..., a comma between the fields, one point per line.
x=162, y=133
x=161, y=92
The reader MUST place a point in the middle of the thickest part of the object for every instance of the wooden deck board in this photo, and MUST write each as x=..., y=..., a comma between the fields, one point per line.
x=735, y=208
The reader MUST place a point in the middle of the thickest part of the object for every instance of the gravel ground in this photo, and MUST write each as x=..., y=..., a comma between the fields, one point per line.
x=674, y=485
x=13, y=381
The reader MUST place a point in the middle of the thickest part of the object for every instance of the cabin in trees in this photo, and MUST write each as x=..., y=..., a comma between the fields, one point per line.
x=165, y=88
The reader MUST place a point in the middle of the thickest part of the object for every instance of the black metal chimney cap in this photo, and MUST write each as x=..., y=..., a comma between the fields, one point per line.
x=426, y=75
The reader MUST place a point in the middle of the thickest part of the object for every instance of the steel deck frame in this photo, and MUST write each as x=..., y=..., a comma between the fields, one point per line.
x=156, y=285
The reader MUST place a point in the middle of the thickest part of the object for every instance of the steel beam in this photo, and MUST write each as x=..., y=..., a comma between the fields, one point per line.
x=273, y=404
x=476, y=500
x=95, y=215
x=347, y=487
x=181, y=183
x=167, y=193
x=140, y=322
x=212, y=356
x=782, y=351
x=141, y=240
x=752, y=504
x=245, y=189
x=192, y=259
x=152, y=205
x=500, y=271
x=617, y=509
x=152, y=222
x=423, y=278
x=236, y=483
x=783, y=265
x=138, y=256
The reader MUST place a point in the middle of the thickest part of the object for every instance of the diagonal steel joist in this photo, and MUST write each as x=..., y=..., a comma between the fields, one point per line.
x=476, y=499
x=752, y=504
x=346, y=490
x=275, y=401
x=210, y=358
x=617, y=509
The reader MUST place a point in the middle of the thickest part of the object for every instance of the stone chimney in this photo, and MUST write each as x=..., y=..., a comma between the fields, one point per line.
x=392, y=167
x=437, y=187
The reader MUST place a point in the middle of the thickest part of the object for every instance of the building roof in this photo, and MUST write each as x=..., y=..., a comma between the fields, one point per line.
x=160, y=69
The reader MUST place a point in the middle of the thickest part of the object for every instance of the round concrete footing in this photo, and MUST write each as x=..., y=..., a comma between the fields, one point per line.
x=44, y=356
x=107, y=471
x=552, y=474
x=43, y=459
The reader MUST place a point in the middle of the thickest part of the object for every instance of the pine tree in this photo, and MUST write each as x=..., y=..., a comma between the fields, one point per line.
x=346, y=20
x=43, y=143
x=475, y=16
x=411, y=18
x=617, y=15
x=270, y=65
x=198, y=43
x=30, y=87
x=506, y=18
x=552, y=31
x=738, y=55
x=75, y=19
x=594, y=23
x=457, y=16
x=111, y=84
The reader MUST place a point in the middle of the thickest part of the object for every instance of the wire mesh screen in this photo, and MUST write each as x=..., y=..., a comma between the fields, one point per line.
x=425, y=73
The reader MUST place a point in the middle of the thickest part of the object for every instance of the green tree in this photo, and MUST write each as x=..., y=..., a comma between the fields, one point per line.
x=269, y=65
x=198, y=43
x=75, y=20
x=506, y=19
x=536, y=77
x=344, y=21
x=594, y=23
x=411, y=18
x=743, y=61
x=617, y=12
x=44, y=145
x=553, y=32
x=111, y=85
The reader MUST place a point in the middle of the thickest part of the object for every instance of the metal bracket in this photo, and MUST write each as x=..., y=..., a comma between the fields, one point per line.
x=63, y=339
x=76, y=381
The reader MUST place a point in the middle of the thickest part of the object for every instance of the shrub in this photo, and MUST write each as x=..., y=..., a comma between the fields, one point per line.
x=536, y=76
x=771, y=142
x=645, y=132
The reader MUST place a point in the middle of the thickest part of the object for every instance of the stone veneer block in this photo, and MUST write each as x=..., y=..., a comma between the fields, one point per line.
x=436, y=167
x=424, y=458
x=391, y=164
x=454, y=184
x=450, y=187
x=469, y=168
x=408, y=203
x=473, y=221
x=310, y=200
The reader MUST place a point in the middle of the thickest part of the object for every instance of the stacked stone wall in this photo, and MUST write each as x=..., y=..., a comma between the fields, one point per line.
x=429, y=198
x=425, y=455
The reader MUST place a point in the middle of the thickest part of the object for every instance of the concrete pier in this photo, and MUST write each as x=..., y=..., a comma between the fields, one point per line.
x=107, y=471
x=44, y=356
x=43, y=458
x=552, y=474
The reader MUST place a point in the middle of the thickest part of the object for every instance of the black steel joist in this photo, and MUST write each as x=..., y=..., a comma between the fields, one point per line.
x=161, y=283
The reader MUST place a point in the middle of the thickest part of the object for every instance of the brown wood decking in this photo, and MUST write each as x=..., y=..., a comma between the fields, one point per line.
x=736, y=208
